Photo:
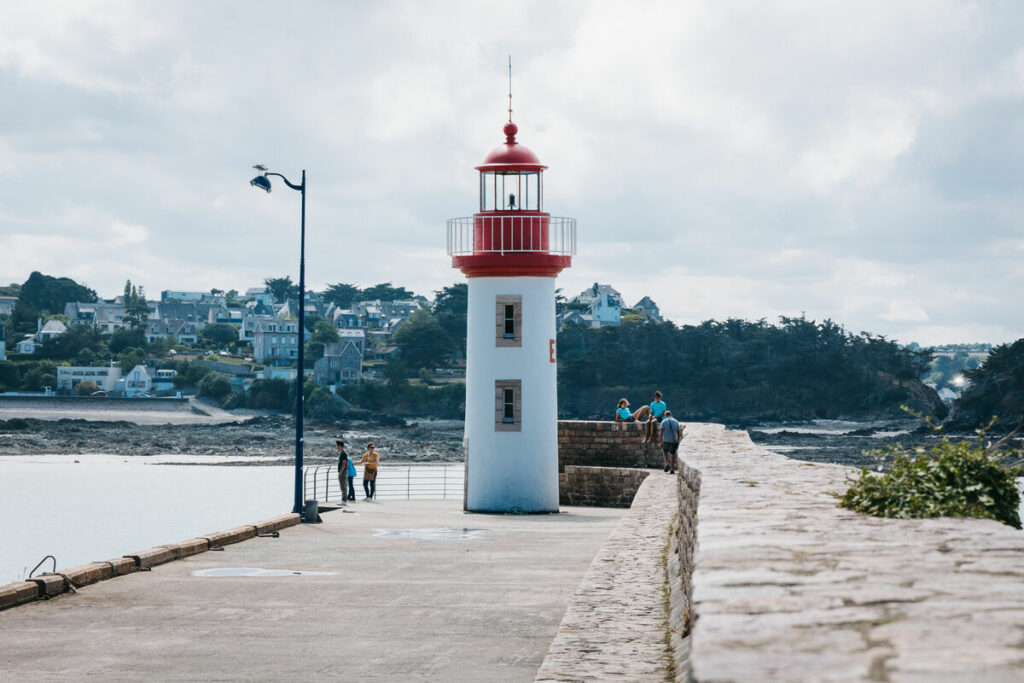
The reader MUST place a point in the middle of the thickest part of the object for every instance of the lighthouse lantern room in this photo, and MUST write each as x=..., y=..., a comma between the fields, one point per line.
x=511, y=251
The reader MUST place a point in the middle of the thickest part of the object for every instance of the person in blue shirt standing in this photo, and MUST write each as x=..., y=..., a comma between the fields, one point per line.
x=671, y=435
x=657, y=413
x=351, y=478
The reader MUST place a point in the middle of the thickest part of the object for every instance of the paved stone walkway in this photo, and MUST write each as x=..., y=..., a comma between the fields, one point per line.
x=790, y=587
x=615, y=626
x=415, y=591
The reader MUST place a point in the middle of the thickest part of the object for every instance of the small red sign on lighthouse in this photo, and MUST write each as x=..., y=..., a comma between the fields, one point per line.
x=551, y=351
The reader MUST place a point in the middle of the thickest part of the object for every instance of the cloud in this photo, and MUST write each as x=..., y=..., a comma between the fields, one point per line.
x=875, y=132
x=902, y=310
x=122, y=234
x=728, y=160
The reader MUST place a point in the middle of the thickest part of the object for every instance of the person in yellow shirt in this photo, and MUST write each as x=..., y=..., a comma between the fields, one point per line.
x=370, y=462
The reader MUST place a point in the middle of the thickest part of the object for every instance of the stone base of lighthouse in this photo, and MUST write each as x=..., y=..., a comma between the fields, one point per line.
x=511, y=461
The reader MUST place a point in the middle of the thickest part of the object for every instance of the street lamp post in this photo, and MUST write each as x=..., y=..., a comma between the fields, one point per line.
x=262, y=181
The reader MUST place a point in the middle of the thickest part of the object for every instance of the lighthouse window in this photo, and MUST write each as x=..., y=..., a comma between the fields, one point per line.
x=510, y=191
x=508, y=408
x=508, y=321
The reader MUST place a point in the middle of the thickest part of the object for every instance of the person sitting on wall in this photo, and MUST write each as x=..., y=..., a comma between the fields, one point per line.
x=623, y=414
x=657, y=413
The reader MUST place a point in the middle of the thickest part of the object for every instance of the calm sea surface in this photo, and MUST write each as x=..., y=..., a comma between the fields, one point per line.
x=105, y=506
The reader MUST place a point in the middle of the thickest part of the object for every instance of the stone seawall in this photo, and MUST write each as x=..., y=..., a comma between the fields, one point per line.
x=788, y=586
x=615, y=628
x=611, y=487
x=679, y=568
x=150, y=403
x=632, y=615
x=50, y=584
x=605, y=444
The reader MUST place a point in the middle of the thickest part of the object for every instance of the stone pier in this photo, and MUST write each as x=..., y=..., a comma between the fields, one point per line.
x=790, y=587
x=742, y=568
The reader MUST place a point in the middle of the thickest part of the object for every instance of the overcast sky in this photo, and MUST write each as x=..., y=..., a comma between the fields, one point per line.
x=859, y=161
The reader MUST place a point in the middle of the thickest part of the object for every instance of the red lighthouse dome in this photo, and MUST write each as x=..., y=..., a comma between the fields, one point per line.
x=511, y=235
x=511, y=156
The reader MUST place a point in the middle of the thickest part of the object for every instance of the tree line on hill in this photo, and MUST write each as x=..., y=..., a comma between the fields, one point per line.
x=732, y=370
x=995, y=389
x=737, y=370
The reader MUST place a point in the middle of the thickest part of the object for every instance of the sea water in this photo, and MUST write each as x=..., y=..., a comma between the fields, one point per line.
x=840, y=428
x=104, y=506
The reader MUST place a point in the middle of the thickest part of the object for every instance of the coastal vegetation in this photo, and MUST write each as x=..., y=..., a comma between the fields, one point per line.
x=952, y=361
x=966, y=478
x=737, y=370
x=994, y=388
x=41, y=296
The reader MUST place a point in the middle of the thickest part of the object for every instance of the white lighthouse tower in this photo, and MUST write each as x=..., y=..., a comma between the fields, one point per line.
x=511, y=251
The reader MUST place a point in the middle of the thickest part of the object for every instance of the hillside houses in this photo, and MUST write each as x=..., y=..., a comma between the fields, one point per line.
x=106, y=315
x=137, y=382
x=181, y=331
x=104, y=377
x=32, y=342
x=342, y=363
x=275, y=341
x=256, y=330
x=601, y=306
x=650, y=309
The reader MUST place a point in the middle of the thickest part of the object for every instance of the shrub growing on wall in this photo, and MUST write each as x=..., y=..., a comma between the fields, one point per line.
x=962, y=479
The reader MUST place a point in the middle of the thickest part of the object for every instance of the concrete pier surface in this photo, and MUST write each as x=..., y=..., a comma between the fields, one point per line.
x=419, y=591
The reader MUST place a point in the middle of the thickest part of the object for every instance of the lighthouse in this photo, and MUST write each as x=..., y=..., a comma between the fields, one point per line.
x=511, y=251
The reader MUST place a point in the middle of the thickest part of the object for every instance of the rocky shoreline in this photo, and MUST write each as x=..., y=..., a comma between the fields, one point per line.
x=853, y=448
x=270, y=437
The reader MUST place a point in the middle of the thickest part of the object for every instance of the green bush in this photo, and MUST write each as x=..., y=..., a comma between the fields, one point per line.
x=189, y=375
x=39, y=374
x=10, y=376
x=272, y=394
x=86, y=387
x=961, y=479
x=215, y=385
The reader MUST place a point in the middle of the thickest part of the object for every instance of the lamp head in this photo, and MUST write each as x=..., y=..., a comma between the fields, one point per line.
x=262, y=182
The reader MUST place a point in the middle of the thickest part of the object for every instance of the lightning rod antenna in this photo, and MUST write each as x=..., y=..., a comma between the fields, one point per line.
x=510, y=88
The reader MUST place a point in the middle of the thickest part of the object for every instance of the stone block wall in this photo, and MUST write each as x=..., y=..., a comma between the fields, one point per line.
x=682, y=545
x=592, y=443
x=52, y=584
x=614, y=628
x=613, y=487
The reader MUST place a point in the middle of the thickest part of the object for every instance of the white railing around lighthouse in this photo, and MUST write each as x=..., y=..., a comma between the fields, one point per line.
x=511, y=234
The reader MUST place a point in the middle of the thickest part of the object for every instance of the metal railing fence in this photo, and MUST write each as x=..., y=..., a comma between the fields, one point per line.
x=511, y=234
x=438, y=481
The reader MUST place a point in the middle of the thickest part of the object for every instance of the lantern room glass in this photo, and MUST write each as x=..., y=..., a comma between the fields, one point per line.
x=511, y=191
